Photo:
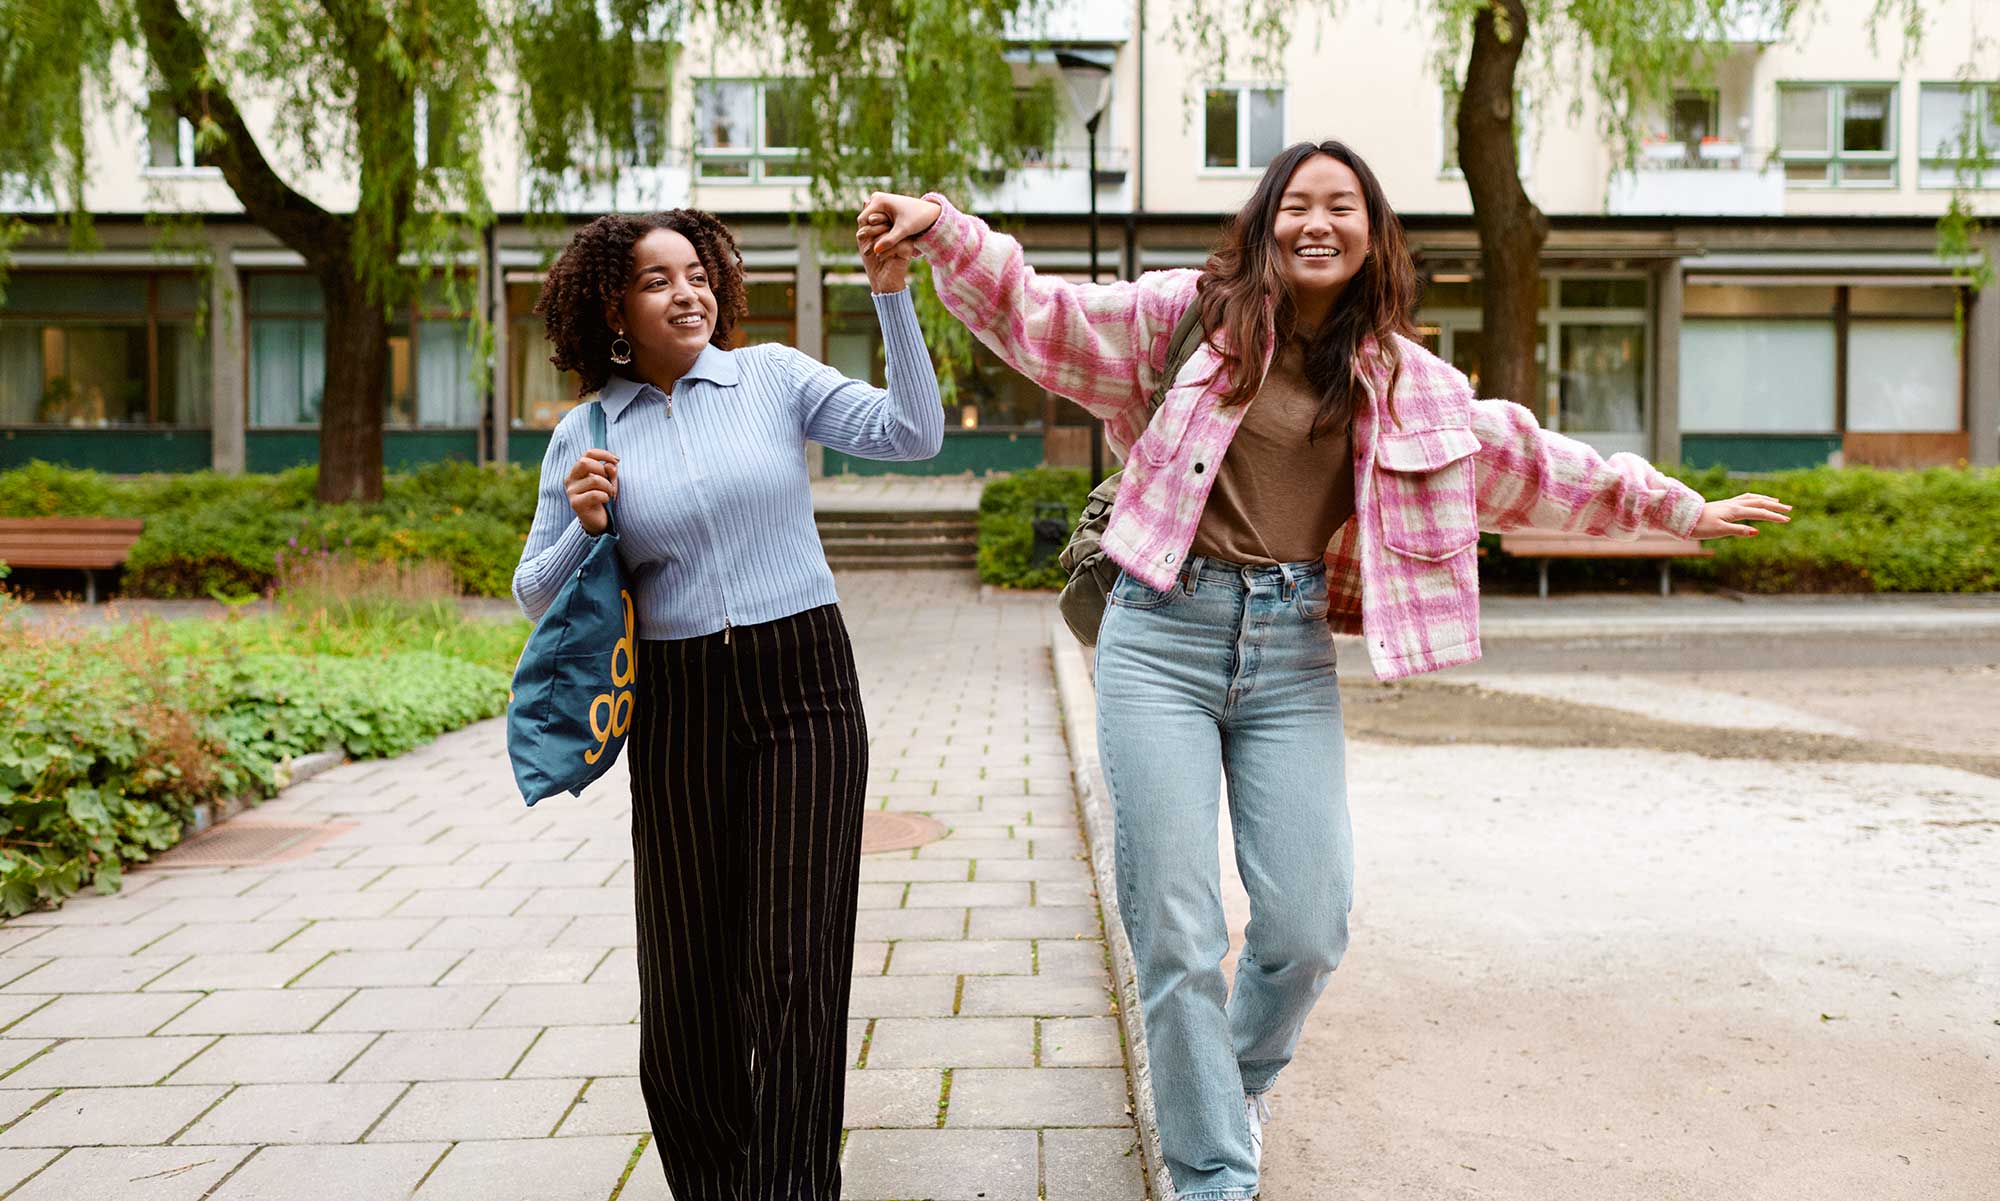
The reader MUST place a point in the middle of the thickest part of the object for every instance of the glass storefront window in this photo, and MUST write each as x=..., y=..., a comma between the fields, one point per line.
x=102, y=349
x=540, y=393
x=1749, y=376
x=428, y=381
x=1602, y=378
x=773, y=305
x=1903, y=377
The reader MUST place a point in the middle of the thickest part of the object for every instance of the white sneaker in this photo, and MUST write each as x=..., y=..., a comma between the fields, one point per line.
x=1257, y=1112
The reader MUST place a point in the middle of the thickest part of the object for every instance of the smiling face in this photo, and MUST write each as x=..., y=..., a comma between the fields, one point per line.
x=1320, y=230
x=669, y=308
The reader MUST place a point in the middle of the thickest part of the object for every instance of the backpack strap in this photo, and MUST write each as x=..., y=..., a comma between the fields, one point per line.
x=1187, y=338
x=601, y=440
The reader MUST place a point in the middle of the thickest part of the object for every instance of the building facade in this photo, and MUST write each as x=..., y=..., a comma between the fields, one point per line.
x=1761, y=290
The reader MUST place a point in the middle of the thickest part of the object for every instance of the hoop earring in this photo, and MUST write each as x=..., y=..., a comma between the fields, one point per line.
x=621, y=357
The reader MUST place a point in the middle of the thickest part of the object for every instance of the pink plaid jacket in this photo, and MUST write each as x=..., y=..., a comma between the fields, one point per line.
x=1431, y=470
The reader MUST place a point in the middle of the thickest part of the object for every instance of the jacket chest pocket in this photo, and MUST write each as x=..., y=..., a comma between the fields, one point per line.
x=1169, y=426
x=1425, y=492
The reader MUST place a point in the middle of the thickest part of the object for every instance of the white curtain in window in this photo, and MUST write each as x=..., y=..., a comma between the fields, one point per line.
x=1267, y=126
x=1902, y=377
x=444, y=376
x=1757, y=377
x=188, y=354
x=20, y=374
x=287, y=372
x=1802, y=120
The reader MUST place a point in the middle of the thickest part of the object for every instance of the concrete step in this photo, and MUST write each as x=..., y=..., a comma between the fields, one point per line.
x=901, y=549
x=893, y=516
x=845, y=530
x=871, y=563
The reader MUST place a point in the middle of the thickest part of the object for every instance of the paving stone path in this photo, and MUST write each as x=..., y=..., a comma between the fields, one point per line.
x=441, y=1000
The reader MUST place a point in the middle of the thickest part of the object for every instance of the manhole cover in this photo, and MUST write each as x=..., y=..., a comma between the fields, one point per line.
x=241, y=843
x=897, y=831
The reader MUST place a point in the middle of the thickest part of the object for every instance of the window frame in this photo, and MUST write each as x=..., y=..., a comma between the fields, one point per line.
x=420, y=309
x=759, y=155
x=189, y=167
x=1985, y=116
x=149, y=318
x=1836, y=156
x=1242, y=87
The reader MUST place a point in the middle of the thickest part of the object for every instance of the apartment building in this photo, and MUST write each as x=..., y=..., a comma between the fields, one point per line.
x=1761, y=290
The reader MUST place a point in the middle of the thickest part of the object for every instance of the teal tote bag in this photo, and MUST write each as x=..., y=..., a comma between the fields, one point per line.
x=571, y=706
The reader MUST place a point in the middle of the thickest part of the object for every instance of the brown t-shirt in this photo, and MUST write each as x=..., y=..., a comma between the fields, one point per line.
x=1273, y=482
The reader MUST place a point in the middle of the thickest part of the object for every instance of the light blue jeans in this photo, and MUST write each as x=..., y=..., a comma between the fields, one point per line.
x=1229, y=672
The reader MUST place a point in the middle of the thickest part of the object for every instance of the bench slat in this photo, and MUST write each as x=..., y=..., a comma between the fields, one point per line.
x=1559, y=545
x=72, y=542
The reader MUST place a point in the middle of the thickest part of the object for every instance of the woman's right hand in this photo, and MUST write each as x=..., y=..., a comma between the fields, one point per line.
x=894, y=218
x=592, y=483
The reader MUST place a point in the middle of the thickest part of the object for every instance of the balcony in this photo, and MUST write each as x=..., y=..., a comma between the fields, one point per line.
x=1710, y=178
x=599, y=189
x=1053, y=181
x=1073, y=22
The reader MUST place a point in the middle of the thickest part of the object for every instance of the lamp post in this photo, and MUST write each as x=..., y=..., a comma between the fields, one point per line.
x=1086, y=76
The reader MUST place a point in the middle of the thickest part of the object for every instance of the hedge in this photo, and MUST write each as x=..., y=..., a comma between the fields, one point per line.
x=1853, y=529
x=110, y=736
x=217, y=535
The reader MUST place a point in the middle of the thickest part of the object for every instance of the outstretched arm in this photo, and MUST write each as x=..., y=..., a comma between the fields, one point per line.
x=1532, y=478
x=1101, y=345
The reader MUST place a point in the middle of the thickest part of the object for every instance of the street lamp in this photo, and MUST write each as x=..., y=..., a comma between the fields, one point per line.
x=1086, y=77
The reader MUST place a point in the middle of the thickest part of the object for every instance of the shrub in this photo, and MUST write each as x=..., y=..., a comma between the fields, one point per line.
x=109, y=736
x=1006, y=524
x=215, y=535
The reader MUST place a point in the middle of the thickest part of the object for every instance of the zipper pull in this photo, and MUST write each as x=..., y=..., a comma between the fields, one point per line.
x=725, y=633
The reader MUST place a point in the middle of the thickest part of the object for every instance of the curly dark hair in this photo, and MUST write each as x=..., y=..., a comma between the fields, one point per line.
x=595, y=269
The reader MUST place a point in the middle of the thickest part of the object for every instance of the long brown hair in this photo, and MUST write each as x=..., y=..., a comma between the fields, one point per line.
x=1244, y=295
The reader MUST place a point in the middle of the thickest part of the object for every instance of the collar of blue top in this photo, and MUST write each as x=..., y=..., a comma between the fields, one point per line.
x=716, y=365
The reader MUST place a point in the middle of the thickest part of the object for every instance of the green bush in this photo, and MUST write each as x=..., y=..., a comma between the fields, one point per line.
x=208, y=534
x=1006, y=524
x=110, y=736
x=1853, y=529
x=1860, y=529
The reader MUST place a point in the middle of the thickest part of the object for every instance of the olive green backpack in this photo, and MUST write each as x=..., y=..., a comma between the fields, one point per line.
x=1091, y=571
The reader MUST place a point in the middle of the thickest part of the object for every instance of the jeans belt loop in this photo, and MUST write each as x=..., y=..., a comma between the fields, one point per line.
x=1291, y=586
x=1191, y=573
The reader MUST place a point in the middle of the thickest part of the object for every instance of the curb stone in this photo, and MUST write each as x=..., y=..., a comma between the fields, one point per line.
x=1078, y=698
x=305, y=767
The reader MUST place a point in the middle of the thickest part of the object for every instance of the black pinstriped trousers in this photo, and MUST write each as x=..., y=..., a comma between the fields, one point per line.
x=749, y=761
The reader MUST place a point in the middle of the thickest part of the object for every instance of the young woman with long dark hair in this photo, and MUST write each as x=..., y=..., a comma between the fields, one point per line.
x=1311, y=470
x=748, y=746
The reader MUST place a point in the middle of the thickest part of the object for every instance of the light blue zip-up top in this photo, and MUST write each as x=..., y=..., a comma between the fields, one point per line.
x=714, y=508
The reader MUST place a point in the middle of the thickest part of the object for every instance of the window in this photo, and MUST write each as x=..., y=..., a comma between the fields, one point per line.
x=750, y=130
x=651, y=77
x=1243, y=127
x=102, y=350
x=1838, y=134
x=429, y=382
x=541, y=394
x=1693, y=118
x=1765, y=360
x=170, y=137
x=1959, y=135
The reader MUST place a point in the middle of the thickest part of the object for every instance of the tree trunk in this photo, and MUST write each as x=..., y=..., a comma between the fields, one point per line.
x=357, y=335
x=350, y=422
x=1511, y=229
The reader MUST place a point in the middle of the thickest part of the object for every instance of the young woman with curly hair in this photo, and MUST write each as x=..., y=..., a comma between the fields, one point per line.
x=748, y=750
x=1310, y=469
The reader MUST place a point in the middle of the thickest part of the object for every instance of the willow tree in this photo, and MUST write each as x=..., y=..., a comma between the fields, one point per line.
x=1619, y=59
x=400, y=97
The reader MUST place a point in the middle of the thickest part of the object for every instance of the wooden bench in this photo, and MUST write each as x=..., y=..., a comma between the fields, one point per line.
x=1555, y=544
x=86, y=544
